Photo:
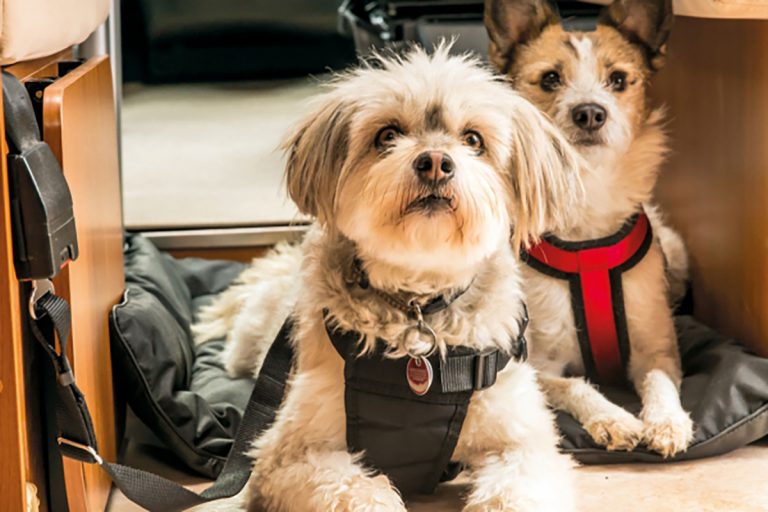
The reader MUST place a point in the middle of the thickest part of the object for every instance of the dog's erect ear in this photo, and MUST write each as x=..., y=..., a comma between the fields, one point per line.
x=546, y=176
x=514, y=22
x=317, y=150
x=645, y=22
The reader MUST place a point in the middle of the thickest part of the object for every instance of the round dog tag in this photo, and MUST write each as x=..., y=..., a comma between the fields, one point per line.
x=419, y=375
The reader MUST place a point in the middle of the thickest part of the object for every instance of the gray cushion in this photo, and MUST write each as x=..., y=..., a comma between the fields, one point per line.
x=181, y=392
x=725, y=388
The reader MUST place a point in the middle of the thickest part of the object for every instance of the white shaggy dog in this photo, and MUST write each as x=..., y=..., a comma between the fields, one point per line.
x=415, y=167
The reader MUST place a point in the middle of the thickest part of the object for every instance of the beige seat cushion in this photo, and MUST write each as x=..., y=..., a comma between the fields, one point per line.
x=737, y=9
x=36, y=28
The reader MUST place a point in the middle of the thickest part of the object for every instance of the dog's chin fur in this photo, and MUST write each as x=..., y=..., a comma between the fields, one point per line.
x=364, y=198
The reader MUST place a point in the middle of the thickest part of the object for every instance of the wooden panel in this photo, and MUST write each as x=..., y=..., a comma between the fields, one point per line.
x=715, y=187
x=13, y=441
x=243, y=254
x=79, y=125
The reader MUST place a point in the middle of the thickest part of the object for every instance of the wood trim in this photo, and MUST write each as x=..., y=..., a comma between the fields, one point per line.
x=242, y=254
x=80, y=127
x=13, y=439
x=38, y=68
x=716, y=183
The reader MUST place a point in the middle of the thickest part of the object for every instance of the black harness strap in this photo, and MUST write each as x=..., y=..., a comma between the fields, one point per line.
x=77, y=439
x=463, y=369
x=407, y=436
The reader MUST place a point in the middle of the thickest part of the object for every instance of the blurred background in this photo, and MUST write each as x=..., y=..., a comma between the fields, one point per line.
x=210, y=86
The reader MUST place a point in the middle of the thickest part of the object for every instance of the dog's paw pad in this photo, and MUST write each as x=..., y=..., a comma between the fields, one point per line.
x=669, y=435
x=616, y=432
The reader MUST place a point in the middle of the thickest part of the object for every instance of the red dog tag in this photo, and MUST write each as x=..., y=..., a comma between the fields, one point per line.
x=419, y=375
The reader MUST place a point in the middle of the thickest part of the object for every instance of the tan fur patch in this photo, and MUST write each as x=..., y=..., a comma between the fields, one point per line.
x=554, y=50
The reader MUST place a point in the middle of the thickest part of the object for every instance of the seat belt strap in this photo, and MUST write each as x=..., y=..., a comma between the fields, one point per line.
x=76, y=438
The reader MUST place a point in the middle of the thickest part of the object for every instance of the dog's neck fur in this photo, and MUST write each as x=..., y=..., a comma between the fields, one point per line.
x=496, y=285
x=395, y=279
x=617, y=183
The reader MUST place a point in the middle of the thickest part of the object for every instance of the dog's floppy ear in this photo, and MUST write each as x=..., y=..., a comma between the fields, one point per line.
x=514, y=22
x=546, y=176
x=644, y=22
x=317, y=150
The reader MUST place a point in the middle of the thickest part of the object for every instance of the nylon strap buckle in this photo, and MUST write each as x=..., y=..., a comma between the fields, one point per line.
x=482, y=367
x=40, y=288
x=79, y=451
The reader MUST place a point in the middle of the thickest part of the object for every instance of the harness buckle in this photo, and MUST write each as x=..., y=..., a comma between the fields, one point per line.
x=40, y=288
x=485, y=365
x=79, y=451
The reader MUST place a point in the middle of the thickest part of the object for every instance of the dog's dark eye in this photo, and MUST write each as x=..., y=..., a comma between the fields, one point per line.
x=474, y=140
x=618, y=81
x=386, y=137
x=550, y=80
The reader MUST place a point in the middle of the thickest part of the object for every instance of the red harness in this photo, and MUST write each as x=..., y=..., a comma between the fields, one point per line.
x=594, y=268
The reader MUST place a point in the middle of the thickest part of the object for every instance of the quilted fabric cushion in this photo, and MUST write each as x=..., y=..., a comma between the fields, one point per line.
x=725, y=388
x=181, y=392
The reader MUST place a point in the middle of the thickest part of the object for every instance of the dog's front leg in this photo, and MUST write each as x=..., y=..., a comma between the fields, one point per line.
x=654, y=365
x=509, y=442
x=608, y=424
x=668, y=429
x=301, y=463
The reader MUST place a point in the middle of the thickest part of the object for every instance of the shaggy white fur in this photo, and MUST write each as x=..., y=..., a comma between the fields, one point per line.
x=353, y=165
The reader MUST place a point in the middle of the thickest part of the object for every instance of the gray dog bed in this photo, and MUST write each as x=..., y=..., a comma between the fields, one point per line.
x=182, y=393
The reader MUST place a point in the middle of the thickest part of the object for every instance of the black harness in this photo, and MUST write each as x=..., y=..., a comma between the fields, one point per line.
x=405, y=431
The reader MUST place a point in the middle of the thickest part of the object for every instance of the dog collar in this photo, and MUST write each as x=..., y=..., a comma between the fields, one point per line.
x=594, y=271
x=413, y=308
x=461, y=369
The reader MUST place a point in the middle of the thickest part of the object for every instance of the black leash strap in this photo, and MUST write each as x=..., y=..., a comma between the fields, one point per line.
x=51, y=320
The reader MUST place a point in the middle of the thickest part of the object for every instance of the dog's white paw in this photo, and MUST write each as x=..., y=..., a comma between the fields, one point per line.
x=369, y=495
x=513, y=504
x=491, y=505
x=668, y=434
x=620, y=431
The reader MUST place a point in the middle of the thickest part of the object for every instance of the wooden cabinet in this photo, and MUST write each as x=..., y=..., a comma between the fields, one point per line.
x=79, y=125
x=715, y=186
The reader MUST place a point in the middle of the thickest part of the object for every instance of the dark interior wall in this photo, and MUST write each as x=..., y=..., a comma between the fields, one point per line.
x=170, y=40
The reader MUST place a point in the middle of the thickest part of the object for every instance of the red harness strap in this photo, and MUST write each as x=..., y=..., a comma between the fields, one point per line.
x=594, y=270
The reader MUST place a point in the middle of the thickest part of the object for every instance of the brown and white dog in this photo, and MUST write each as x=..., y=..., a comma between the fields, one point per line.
x=594, y=86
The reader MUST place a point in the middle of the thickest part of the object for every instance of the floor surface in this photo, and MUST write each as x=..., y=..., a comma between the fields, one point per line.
x=206, y=155
x=736, y=482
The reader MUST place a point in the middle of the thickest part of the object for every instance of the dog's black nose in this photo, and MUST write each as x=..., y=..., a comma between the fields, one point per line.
x=589, y=116
x=433, y=166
